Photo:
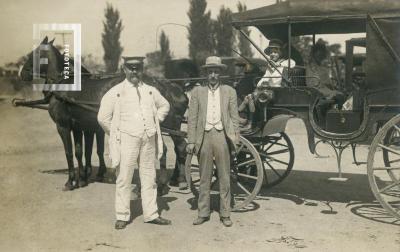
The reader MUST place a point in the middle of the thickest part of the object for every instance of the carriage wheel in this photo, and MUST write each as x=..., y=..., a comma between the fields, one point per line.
x=384, y=177
x=277, y=154
x=246, y=176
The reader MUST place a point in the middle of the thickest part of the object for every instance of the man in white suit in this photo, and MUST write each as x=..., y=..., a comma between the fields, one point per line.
x=130, y=113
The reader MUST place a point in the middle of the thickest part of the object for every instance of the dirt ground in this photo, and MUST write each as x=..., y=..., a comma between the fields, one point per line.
x=306, y=212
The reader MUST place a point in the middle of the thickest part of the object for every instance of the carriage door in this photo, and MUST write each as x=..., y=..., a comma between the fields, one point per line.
x=383, y=61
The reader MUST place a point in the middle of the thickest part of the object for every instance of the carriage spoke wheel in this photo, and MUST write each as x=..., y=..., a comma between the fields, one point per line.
x=384, y=177
x=277, y=154
x=246, y=176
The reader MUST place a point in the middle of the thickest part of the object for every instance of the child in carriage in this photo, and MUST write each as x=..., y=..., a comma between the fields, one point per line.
x=273, y=74
x=271, y=78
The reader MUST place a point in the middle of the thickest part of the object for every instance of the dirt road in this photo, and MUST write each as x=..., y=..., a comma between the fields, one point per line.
x=304, y=213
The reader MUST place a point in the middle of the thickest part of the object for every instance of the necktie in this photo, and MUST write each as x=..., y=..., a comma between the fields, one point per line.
x=137, y=91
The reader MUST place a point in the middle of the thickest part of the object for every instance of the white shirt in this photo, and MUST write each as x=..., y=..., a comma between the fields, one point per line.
x=272, y=77
x=137, y=117
x=213, y=119
x=109, y=116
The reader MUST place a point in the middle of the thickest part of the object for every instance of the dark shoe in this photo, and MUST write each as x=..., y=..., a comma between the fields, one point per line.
x=162, y=189
x=226, y=221
x=69, y=186
x=174, y=182
x=120, y=224
x=160, y=221
x=183, y=186
x=83, y=183
x=200, y=220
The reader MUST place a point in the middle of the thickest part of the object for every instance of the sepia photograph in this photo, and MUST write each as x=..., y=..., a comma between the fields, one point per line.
x=200, y=125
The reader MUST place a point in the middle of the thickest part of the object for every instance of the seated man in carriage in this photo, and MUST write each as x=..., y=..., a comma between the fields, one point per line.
x=318, y=72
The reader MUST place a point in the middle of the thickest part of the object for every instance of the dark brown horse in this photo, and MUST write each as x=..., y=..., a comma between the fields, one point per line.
x=76, y=111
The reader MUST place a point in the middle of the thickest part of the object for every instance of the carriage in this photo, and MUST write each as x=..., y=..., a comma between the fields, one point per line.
x=265, y=154
x=374, y=90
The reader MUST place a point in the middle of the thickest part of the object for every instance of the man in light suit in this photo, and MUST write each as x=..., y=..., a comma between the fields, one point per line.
x=213, y=127
x=130, y=113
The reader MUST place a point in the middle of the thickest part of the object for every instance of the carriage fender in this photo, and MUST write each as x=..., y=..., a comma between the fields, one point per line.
x=276, y=124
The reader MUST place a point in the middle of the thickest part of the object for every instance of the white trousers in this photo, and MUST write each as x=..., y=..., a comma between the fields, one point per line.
x=136, y=151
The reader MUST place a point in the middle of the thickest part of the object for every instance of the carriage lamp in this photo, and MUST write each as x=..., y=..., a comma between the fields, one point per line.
x=263, y=95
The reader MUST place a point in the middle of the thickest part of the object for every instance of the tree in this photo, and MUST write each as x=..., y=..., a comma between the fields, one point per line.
x=110, y=38
x=164, y=48
x=92, y=64
x=335, y=49
x=243, y=44
x=224, y=32
x=200, y=33
x=154, y=66
x=303, y=45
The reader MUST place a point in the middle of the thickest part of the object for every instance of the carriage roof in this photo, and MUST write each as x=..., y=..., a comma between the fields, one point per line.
x=379, y=19
x=309, y=17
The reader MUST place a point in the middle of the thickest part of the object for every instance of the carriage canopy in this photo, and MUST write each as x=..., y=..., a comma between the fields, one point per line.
x=309, y=17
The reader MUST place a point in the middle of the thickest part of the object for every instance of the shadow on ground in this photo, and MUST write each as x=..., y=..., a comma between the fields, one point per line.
x=373, y=211
x=109, y=176
x=308, y=188
x=314, y=189
x=303, y=186
x=162, y=203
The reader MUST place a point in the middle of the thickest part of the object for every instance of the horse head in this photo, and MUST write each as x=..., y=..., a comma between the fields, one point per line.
x=49, y=61
x=45, y=58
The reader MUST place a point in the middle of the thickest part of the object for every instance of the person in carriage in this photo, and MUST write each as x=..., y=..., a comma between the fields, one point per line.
x=271, y=78
x=318, y=72
x=273, y=74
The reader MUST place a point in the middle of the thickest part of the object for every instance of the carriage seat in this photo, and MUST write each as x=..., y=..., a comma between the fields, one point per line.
x=297, y=75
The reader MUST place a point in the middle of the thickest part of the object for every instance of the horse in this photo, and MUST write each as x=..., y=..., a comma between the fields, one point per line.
x=70, y=112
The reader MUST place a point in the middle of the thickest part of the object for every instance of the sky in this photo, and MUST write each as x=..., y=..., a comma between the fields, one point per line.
x=141, y=20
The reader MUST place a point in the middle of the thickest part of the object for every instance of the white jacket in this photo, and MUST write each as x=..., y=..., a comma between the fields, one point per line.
x=273, y=77
x=109, y=118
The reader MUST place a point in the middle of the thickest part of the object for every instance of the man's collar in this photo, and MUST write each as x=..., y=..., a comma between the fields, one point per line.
x=213, y=89
x=133, y=85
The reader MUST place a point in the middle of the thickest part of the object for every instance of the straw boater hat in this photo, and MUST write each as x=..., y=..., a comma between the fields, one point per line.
x=214, y=61
x=273, y=43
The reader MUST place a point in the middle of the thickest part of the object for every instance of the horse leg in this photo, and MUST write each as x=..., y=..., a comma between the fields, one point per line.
x=174, y=180
x=180, y=150
x=163, y=187
x=80, y=179
x=65, y=134
x=175, y=174
x=89, y=137
x=100, y=153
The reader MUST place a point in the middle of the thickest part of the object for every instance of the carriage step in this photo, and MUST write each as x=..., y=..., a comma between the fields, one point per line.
x=340, y=179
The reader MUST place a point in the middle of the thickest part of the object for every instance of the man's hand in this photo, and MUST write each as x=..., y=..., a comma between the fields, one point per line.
x=246, y=99
x=190, y=148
